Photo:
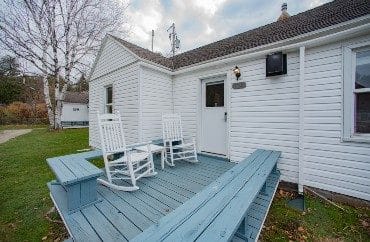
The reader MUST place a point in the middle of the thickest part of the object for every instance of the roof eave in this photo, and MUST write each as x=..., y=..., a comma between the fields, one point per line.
x=355, y=25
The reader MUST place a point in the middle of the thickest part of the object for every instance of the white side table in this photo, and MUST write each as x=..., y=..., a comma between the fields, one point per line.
x=154, y=149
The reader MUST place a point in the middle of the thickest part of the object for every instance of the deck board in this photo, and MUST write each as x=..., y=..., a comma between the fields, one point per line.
x=137, y=218
x=103, y=227
x=123, y=224
x=123, y=215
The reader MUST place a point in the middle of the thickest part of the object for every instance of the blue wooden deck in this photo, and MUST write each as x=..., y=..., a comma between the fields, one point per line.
x=123, y=215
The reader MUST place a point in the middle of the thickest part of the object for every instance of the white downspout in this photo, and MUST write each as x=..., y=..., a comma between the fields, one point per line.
x=301, y=118
x=140, y=104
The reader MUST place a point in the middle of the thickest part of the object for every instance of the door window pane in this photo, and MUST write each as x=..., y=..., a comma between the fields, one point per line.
x=362, y=69
x=362, y=117
x=215, y=95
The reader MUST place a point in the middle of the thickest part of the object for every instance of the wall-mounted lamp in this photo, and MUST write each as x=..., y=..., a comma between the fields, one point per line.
x=236, y=71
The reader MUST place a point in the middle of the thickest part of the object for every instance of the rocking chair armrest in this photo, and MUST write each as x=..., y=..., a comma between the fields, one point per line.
x=189, y=140
x=131, y=146
x=119, y=151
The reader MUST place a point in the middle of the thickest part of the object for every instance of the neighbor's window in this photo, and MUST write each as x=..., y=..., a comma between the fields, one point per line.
x=356, y=111
x=215, y=94
x=362, y=92
x=109, y=99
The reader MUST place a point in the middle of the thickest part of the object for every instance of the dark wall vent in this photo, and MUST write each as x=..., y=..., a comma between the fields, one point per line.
x=276, y=64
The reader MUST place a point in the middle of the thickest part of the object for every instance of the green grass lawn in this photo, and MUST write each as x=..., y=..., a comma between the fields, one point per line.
x=25, y=200
x=320, y=222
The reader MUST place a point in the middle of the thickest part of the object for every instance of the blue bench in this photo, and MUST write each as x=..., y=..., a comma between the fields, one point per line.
x=78, y=177
x=227, y=208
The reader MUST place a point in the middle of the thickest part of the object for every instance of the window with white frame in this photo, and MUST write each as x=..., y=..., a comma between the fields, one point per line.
x=109, y=99
x=356, y=115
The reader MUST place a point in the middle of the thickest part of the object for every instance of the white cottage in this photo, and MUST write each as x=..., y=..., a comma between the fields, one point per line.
x=317, y=114
x=75, y=109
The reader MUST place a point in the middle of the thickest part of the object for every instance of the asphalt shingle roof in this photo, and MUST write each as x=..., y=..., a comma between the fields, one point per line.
x=76, y=97
x=326, y=15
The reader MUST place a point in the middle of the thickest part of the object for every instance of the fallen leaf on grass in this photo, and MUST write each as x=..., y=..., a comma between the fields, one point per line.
x=12, y=225
x=330, y=240
x=300, y=229
x=364, y=223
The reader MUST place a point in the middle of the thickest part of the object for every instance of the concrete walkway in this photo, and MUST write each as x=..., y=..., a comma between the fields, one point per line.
x=6, y=135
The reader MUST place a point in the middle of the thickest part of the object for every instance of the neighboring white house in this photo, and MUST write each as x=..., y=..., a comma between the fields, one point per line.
x=75, y=111
x=318, y=114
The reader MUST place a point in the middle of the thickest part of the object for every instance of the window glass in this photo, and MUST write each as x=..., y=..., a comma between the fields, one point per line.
x=215, y=95
x=362, y=124
x=109, y=108
x=109, y=100
x=109, y=94
x=362, y=97
x=363, y=69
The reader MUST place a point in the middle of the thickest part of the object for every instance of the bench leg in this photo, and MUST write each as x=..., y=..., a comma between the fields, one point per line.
x=243, y=231
x=274, y=170
x=263, y=189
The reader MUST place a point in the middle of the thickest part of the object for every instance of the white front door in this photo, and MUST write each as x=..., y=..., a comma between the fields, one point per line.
x=214, y=116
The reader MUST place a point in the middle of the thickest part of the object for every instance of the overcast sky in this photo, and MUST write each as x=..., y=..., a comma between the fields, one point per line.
x=199, y=22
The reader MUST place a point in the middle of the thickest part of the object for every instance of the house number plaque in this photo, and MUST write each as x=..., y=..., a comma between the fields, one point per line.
x=239, y=85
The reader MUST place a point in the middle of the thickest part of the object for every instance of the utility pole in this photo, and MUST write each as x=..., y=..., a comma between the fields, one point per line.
x=175, y=42
x=152, y=39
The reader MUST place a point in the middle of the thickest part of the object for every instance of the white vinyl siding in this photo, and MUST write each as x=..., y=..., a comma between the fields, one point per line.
x=156, y=99
x=185, y=100
x=112, y=57
x=265, y=114
x=125, y=99
x=329, y=163
x=123, y=77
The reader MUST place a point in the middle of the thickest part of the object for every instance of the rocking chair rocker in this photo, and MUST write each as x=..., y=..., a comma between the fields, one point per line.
x=173, y=141
x=123, y=172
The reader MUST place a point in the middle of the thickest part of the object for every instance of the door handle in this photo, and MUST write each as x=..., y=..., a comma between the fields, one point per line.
x=225, y=116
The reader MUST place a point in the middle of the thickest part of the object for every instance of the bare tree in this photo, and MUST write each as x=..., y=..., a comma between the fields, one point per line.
x=59, y=38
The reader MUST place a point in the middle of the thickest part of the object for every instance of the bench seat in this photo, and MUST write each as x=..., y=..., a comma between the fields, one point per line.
x=77, y=176
x=220, y=212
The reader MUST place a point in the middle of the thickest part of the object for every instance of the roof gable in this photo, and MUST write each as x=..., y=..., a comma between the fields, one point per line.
x=145, y=53
x=110, y=57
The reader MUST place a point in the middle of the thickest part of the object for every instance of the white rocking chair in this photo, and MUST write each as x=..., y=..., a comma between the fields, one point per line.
x=128, y=168
x=173, y=141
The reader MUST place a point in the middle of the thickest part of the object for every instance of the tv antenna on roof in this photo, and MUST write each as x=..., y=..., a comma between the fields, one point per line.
x=175, y=42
